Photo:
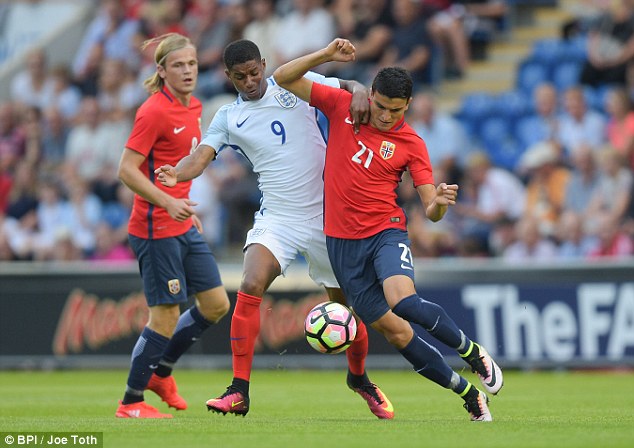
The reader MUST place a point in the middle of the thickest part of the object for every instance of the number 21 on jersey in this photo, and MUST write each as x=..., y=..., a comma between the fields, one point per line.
x=361, y=157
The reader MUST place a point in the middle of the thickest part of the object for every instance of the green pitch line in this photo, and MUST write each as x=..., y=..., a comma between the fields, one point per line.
x=308, y=409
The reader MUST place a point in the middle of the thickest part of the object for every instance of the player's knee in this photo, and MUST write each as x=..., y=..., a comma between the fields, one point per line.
x=217, y=309
x=252, y=285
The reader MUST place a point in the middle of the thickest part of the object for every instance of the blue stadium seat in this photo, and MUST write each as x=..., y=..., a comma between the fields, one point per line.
x=530, y=130
x=506, y=154
x=513, y=104
x=476, y=107
x=530, y=74
x=566, y=75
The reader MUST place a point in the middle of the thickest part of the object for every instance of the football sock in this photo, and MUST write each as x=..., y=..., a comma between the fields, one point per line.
x=469, y=392
x=433, y=318
x=470, y=351
x=427, y=361
x=190, y=326
x=358, y=380
x=358, y=350
x=145, y=357
x=245, y=327
x=241, y=385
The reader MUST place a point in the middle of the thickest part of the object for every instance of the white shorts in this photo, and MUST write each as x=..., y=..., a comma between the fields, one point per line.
x=286, y=240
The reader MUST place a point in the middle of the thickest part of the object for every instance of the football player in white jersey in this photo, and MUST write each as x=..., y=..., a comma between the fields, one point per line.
x=280, y=136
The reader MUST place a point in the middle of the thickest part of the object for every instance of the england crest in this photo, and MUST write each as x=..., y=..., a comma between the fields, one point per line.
x=387, y=149
x=174, y=286
x=286, y=99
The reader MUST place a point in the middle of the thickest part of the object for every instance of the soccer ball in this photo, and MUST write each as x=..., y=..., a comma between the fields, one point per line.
x=330, y=327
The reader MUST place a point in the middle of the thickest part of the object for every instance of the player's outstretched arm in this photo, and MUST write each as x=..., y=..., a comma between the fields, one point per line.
x=187, y=168
x=290, y=76
x=436, y=200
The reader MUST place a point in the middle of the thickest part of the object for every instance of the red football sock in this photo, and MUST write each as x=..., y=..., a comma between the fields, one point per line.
x=358, y=350
x=245, y=327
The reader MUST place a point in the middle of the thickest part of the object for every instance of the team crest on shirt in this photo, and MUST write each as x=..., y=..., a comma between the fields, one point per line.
x=387, y=149
x=174, y=286
x=286, y=99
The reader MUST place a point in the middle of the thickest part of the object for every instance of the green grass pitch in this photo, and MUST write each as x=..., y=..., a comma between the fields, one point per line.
x=308, y=409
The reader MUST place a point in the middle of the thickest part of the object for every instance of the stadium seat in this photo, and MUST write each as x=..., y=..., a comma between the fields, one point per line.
x=566, y=75
x=513, y=104
x=530, y=130
x=506, y=154
x=530, y=74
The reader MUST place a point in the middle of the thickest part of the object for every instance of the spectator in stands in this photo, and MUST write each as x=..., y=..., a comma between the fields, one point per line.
x=410, y=46
x=53, y=219
x=368, y=24
x=209, y=30
x=614, y=242
x=584, y=178
x=543, y=124
x=573, y=242
x=546, y=186
x=610, y=46
x=445, y=26
x=620, y=127
x=12, y=138
x=118, y=94
x=108, y=247
x=484, y=18
x=496, y=195
x=94, y=147
x=612, y=196
x=205, y=192
x=579, y=124
x=262, y=31
x=307, y=28
x=530, y=245
x=22, y=196
x=443, y=134
x=108, y=36
x=84, y=213
x=66, y=97
x=33, y=86
x=55, y=132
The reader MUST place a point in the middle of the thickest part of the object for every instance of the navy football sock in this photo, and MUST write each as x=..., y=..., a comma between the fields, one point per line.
x=433, y=318
x=145, y=357
x=190, y=326
x=428, y=361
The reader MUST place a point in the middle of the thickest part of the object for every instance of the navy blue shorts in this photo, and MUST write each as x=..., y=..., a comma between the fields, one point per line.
x=174, y=268
x=362, y=265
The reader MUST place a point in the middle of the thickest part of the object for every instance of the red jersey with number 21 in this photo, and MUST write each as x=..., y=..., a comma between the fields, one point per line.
x=363, y=170
x=164, y=131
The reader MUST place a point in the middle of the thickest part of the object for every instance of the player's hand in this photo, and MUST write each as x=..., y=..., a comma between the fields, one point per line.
x=360, y=108
x=197, y=223
x=340, y=50
x=166, y=175
x=181, y=209
x=446, y=194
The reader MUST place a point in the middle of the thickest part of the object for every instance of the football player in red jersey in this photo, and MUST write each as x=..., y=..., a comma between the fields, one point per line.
x=366, y=230
x=164, y=232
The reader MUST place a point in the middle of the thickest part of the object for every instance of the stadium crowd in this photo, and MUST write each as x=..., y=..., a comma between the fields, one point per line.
x=570, y=195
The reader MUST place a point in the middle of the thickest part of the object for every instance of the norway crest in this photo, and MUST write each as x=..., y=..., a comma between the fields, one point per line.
x=286, y=99
x=387, y=149
x=174, y=286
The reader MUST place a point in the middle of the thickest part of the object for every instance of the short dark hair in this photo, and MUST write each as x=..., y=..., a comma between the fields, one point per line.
x=239, y=52
x=393, y=82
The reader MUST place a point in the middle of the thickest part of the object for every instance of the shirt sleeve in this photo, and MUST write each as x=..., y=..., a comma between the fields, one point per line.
x=321, y=79
x=419, y=166
x=328, y=99
x=217, y=134
x=145, y=132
